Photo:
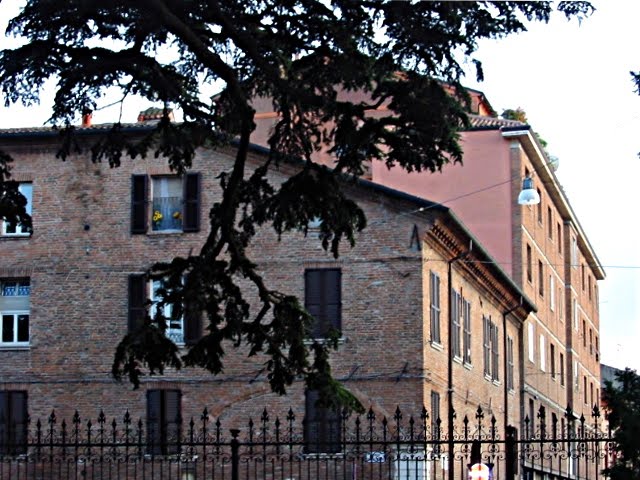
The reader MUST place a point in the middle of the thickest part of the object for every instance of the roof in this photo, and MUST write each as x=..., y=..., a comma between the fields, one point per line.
x=479, y=122
x=83, y=130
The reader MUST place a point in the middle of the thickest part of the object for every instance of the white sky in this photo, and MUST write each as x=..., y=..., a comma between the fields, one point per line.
x=573, y=81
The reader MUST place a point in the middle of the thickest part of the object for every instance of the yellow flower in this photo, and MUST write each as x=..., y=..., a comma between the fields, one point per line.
x=177, y=215
x=157, y=216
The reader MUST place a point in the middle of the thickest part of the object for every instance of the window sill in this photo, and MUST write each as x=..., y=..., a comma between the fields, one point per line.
x=437, y=346
x=468, y=366
x=457, y=359
x=21, y=236
x=311, y=341
x=14, y=347
x=165, y=232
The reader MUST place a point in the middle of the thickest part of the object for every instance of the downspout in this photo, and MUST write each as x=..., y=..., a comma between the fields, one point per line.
x=450, y=410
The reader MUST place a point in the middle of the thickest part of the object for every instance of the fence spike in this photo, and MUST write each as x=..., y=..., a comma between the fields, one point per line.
x=398, y=415
x=371, y=416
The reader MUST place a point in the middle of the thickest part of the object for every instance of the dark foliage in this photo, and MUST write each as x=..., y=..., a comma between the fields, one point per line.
x=622, y=400
x=299, y=53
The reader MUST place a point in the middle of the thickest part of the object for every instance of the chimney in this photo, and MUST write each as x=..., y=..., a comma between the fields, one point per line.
x=86, y=118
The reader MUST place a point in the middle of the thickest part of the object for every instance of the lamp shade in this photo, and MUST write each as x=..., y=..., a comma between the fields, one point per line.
x=528, y=195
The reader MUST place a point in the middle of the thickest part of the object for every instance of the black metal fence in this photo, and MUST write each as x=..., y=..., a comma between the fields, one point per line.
x=279, y=448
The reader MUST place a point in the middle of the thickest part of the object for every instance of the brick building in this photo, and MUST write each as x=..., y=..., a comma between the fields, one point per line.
x=72, y=289
x=542, y=247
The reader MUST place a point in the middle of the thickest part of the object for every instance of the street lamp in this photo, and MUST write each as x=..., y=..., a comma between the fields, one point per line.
x=528, y=195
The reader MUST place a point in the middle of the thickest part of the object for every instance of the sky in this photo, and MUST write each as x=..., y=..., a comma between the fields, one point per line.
x=573, y=81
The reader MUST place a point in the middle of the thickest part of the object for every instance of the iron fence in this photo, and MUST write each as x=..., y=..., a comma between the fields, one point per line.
x=402, y=447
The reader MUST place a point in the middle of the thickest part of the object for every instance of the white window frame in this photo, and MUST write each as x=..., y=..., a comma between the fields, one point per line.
x=552, y=292
x=543, y=363
x=153, y=188
x=15, y=312
x=172, y=332
x=29, y=197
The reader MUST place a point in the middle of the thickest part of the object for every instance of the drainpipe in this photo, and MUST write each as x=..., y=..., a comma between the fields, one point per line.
x=450, y=410
x=506, y=366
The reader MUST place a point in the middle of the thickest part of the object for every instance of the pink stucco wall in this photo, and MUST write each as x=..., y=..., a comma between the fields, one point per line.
x=478, y=191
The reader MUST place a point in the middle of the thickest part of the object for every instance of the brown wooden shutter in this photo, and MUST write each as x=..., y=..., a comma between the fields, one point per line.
x=322, y=429
x=172, y=420
x=163, y=421
x=191, y=202
x=4, y=423
x=139, y=201
x=137, y=300
x=192, y=324
x=323, y=300
x=13, y=423
x=18, y=422
x=154, y=422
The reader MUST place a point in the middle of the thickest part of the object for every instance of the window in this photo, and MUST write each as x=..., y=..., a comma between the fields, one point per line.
x=531, y=341
x=540, y=207
x=175, y=203
x=14, y=309
x=456, y=307
x=549, y=223
x=591, y=392
x=434, y=294
x=26, y=189
x=552, y=293
x=466, y=322
x=584, y=396
x=529, y=264
x=435, y=414
x=510, y=369
x=560, y=304
x=322, y=295
x=540, y=278
x=562, y=369
x=582, y=276
x=574, y=252
x=552, y=359
x=543, y=363
x=576, y=377
x=164, y=421
x=589, y=285
x=13, y=422
x=186, y=330
x=322, y=426
x=559, y=238
x=590, y=341
x=576, y=316
x=490, y=349
x=174, y=326
x=584, y=333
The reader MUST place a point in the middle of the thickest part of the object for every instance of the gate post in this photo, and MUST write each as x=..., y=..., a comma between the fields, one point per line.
x=235, y=454
x=511, y=453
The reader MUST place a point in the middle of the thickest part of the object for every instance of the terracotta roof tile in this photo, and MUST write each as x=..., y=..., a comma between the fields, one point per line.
x=478, y=121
